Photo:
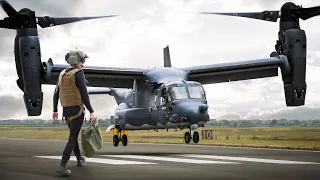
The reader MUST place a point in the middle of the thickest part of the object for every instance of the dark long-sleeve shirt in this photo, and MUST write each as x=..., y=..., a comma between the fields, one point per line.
x=80, y=83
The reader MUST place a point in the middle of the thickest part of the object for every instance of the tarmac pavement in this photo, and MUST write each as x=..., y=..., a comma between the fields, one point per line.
x=39, y=159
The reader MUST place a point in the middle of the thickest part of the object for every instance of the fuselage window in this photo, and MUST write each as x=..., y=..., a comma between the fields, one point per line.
x=196, y=92
x=178, y=92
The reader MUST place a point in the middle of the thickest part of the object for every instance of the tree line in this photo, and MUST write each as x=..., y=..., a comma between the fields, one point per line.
x=212, y=122
x=39, y=122
x=264, y=123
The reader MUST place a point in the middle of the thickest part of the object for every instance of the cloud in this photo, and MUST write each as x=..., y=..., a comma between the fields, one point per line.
x=233, y=116
x=269, y=3
x=10, y=106
x=302, y=113
x=136, y=39
x=313, y=58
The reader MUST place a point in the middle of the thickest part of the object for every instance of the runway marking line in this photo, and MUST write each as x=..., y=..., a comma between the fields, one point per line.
x=171, y=159
x=184, y=158
x=99, y=160
x=273, y=161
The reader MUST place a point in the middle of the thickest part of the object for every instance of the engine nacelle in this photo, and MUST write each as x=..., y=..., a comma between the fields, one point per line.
x=32, y=71
x=294, y=47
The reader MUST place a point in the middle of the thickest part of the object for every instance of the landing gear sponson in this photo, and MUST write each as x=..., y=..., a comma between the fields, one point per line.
x=191, y=135
x=120, y=135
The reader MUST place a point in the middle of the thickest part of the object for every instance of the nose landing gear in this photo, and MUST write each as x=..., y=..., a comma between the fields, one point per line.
x=191, y=135
x=195, y=137
x=187, y=137
x=120, y=135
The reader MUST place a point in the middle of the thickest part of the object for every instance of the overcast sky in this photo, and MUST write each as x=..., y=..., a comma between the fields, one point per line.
x=144, y=28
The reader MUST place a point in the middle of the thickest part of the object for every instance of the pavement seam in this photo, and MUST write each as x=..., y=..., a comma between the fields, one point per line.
x=187, y=145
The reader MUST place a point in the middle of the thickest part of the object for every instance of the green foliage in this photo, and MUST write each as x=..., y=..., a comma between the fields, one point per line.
x=37, y=122
x=277, y=137
x=264, y=123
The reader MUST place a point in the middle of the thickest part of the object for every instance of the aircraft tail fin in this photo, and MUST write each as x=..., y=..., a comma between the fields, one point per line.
x=166, y=56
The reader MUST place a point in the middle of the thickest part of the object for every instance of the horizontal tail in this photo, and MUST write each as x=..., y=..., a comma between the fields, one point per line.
x=100, y=91
x=121, y=95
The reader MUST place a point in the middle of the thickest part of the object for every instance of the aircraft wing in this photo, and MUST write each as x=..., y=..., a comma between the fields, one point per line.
x=102, y=76
x=235, y=71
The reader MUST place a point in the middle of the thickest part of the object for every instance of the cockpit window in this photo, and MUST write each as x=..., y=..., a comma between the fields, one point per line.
x=177, y=93
x=196, y=92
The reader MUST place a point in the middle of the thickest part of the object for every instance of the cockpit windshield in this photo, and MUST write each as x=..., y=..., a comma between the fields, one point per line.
x=177, y=92
x=196, y=92
x=180, y=92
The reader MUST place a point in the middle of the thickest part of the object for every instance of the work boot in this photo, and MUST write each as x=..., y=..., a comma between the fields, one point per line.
x=62, y=170
x=80, y=161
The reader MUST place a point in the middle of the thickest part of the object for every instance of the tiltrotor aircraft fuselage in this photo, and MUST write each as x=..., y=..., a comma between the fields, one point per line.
x=164, y=99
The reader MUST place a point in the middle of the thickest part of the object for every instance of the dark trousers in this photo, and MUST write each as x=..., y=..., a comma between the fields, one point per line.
x=72, y=145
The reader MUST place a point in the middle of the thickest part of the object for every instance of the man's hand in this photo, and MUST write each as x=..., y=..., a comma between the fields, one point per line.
x=92, y=117
x=55, y=116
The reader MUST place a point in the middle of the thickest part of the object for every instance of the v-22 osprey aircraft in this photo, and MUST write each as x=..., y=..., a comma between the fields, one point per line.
x=167, y=97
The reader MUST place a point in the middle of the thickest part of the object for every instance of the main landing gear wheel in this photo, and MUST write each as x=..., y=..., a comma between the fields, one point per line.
x=187, y=137
x=120, y=135
x=124, y=140
x=115, y=140
x=195, y=137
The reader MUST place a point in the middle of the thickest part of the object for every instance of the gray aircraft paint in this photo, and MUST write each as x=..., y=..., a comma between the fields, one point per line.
x=147, y=113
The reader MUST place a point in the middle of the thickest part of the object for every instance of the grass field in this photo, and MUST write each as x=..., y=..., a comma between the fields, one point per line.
x=287, y=137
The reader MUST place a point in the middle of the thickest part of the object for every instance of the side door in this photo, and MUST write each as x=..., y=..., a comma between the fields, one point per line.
x=155, y=112
x=159, y=107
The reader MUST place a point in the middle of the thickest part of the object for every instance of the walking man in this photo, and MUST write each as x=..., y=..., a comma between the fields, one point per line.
x=72, y=91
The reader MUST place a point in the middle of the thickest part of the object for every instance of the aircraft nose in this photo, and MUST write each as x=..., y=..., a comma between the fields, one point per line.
x=196, y=113
x=203, y=108
x=190, y=112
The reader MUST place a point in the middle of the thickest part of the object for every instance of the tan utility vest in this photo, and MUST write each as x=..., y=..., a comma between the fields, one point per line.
x=68, y=91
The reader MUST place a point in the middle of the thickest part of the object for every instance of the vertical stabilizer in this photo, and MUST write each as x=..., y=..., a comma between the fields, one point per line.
x=166, y=56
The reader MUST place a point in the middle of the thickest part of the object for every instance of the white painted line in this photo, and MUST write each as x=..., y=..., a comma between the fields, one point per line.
x=99, y=160
x=246, y=159
x=182, y=160
x=228, y=147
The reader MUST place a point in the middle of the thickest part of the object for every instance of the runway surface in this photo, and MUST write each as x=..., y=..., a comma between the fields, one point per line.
x=38, y=159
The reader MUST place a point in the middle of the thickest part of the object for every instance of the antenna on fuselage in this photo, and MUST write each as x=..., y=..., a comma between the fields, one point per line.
x=166, y=57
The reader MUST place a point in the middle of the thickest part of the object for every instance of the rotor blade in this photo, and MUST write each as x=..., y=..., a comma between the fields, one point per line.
x=47, y=21
x=8, y=8
x=5, y=25
x=265, y=15
x=2, y=24
x=306, y=13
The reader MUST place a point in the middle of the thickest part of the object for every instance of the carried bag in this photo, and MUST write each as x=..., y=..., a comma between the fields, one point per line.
x=91, y=139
